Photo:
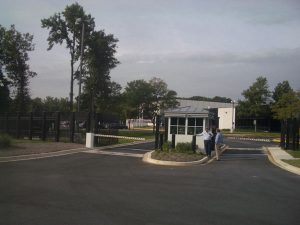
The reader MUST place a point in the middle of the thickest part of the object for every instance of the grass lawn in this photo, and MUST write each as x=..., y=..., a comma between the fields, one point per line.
x=253, y=134
x=147, y=134
x=295, y=162
x=295, y=154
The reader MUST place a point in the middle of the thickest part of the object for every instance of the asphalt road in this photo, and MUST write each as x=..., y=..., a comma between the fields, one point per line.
x=88, y=188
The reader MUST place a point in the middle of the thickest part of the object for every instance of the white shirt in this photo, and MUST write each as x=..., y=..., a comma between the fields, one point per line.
x=206, y=135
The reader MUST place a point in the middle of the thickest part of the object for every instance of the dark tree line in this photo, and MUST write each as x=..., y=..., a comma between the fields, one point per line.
x=14, y=69
x=282, y=103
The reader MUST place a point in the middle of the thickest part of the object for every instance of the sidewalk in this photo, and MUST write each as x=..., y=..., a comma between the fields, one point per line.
x=276, y=155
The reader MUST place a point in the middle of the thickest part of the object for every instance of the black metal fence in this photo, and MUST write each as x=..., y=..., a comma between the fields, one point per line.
x=55, y=126
x=290, y=134
x=259, y=123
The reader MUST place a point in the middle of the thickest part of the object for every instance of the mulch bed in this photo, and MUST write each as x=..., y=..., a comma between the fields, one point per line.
x=176, y=156
x=27, y=148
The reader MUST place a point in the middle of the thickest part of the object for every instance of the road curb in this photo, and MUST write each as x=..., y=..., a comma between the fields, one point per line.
x=41, y=155
x=59, y=153
x=281, y=164
x=147, y=158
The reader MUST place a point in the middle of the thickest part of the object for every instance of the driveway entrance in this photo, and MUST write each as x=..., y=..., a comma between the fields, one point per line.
x=114, y=190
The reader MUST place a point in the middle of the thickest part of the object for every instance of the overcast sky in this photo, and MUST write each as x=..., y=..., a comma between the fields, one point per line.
x=198, y=47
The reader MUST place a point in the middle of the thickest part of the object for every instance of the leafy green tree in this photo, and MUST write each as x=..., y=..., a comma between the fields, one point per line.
x=257, y=99
x=49, y=104
x=214, y=99
x=100, y=59
x=55, y=104
x=280, y=89
x=221, y=99
x=111, y=103
x=14, y=56
x=139, y=98
x=4, y=84
x=287, y=106
x=37, y=105
x=162, y=97
x=146, y=98
x=4, y=93
x=65, y=27
x=199, y=98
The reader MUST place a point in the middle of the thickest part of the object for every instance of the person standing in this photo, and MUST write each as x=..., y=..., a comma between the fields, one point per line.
x=212, y=143
x=218, y=143
x=207, y=135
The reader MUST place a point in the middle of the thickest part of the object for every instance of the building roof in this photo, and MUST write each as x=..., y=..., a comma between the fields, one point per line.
x=203, y=104
x=188, y=111
x=193, y=108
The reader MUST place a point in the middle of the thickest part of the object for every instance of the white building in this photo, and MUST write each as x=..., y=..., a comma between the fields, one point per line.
x=192, y=117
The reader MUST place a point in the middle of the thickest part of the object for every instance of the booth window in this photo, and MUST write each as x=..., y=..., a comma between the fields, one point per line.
x=177, y=125
x=195, y=126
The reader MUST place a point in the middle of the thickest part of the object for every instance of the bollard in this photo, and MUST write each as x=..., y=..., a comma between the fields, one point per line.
x=89, y=143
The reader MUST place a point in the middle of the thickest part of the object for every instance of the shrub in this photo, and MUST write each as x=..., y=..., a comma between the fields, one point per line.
x=5, y=140
x=184, y=147
x=167, y=146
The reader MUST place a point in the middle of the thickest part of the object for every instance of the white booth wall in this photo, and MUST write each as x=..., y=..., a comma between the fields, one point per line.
x=226, y=118
x=183, y=138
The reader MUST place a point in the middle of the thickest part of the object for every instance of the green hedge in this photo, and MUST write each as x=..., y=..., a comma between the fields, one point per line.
x=5, y=140
x=184, y=147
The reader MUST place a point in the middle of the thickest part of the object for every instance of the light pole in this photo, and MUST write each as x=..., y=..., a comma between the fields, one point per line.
x=80, y=67
x=233, y=114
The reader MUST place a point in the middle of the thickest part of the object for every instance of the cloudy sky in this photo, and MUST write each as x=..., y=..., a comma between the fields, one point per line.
x=198, y=47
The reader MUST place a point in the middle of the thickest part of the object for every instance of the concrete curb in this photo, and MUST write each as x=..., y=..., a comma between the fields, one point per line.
x=147, y=158
x=59, y=153
x=41, y=155
x=281, y=164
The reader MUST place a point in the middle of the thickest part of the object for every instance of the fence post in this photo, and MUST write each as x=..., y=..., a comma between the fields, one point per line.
x=294, y=121
x=194, y=143
x=72, y=126
x=157, y=131
x=287, y=139
x=173, y=141
x=166, y=128
x=161, y=141
x=30, y=125
x=44, y=126
x=18, y=126
x=88, y=122
x=297, y=134
x=282, y=134
x=57, y=126
x=7, y=123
